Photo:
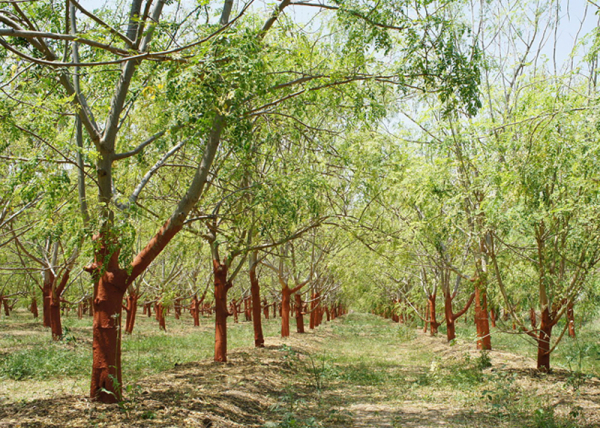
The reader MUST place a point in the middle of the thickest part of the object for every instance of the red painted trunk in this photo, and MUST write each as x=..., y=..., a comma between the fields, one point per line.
x=177, y=307
x=195, y=310
x=266, y=309
x=484, y=340
x=160, y=316
x=285, y=311
x=46, y=296
x=532, y=317
x=106, y=369
x=221, y=313
x=34, y=308
x=131, y=309
x=450, y=326
x=543, y=358
x=55, y=321
x=493, y=317
x=234, y=311
x=299, y=316
x=433, y=324
x=5, y=306
x=259, y=340
x=247, y=309
x=110, y=284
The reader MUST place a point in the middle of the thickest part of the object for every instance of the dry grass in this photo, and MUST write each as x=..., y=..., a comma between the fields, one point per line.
x=354, y=372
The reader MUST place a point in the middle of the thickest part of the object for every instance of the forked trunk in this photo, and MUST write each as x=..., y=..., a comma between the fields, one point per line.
x=106, y=368
x=299, y=315
x=110, y=284
x=221, y=313
x=285, y=311
x=259, y=340
x=131, y=309
x=543, y=357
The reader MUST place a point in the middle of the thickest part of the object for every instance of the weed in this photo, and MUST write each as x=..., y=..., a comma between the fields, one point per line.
x=545, y=417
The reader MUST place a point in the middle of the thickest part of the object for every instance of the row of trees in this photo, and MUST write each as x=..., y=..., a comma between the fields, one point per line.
x=165, y=146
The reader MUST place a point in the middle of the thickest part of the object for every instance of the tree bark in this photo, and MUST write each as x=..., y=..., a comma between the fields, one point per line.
x=286, y=293
x=299, y=317
x=484, y=341
x=34, y=308
x=543, y=357
x=110, y=284
x=259, y=340
x=571, y=320
x=195, y=310
x=131, y=309
x=433, y=324
x=222, y=286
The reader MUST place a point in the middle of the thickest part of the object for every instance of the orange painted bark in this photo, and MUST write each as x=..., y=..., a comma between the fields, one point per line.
x=259, y=340
x=299, y=314
x=286, y=293
x=34, y=308
x=484, y=340
x=221, y=287
x=131, y=309
x=433, y=324
x=545, y=333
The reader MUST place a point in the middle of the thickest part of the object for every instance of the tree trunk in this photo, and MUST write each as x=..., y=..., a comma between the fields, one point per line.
x=110, y=285
x=484, y=340
x=49, y=279
x=234, y=310
x=131, y=309
x=285, y=311
x=532, y=317
x=571, y=320
x=160, y=316
x=55, y=321
x=34, y=308
x=221, y=313
x=259, y=340
x=312, y=319
x=6, y=307
x=433, y=324
x=450, y=326
x=266, y=309
x=299, y=317
x=543, y=358
x=177, y=308
x=493, y=317
x=195, y=310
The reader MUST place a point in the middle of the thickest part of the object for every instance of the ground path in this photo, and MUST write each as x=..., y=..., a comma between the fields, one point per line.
x=358, y=371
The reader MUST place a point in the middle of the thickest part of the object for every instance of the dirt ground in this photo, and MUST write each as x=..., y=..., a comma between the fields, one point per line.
x=321, y=379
